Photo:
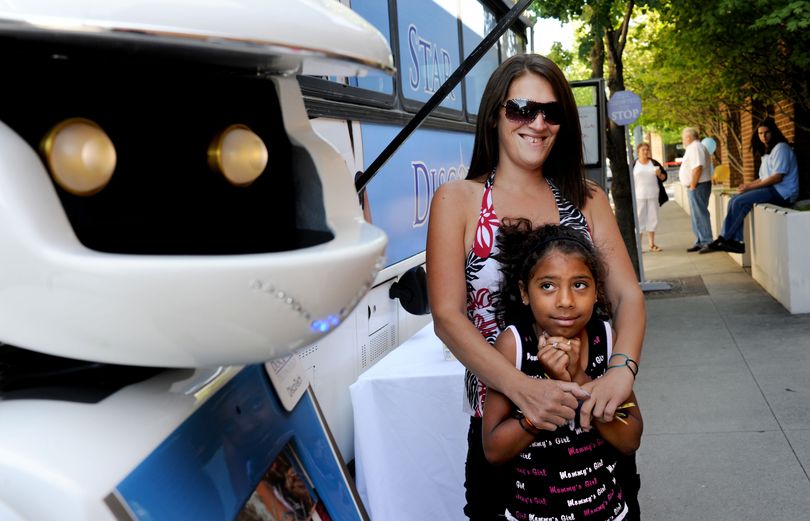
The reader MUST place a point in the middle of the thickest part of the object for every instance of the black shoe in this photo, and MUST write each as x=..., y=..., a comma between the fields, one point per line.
x=733, y=246
x=715, y=245
x=696, y=247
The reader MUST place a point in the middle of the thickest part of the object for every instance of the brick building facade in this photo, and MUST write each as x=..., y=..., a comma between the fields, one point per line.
x=793, y=125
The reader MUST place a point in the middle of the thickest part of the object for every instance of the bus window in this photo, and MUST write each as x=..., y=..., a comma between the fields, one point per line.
x=376, y=89
x=428, y=48
x=477, y=21
x=376, y=12
x=400, y=196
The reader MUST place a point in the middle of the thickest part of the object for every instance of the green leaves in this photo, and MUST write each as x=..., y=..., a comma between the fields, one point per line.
x=792, y=17
x=688, y=58
x=717, y=54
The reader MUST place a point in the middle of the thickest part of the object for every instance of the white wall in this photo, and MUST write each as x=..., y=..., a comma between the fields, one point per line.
x=781, y=255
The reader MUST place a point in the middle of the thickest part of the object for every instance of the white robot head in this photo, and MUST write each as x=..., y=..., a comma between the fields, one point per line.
x=163, y=199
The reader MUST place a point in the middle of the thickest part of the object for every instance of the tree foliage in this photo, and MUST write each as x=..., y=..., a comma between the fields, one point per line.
x=713, y=57
x=569, y=61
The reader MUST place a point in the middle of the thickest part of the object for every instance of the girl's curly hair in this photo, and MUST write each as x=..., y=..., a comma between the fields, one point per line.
x=520, y=248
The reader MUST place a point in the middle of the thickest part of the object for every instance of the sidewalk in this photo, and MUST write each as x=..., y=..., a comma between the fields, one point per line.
x=724, y=388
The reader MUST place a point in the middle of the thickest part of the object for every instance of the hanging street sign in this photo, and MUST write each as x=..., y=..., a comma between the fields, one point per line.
x=624, y=107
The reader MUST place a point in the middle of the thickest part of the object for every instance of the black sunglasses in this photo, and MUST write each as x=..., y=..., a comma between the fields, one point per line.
x=525, y=111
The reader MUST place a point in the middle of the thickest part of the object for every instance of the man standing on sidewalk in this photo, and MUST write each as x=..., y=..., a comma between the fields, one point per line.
x=695, y=175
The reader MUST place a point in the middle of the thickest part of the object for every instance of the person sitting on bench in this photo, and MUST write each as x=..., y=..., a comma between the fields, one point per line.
x=778, y=184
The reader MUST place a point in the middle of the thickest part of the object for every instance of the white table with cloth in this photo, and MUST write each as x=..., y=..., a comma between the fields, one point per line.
x=410, y=433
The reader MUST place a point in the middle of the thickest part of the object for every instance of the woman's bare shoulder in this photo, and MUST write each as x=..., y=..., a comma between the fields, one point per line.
x=454, y=211
x=594, y=188
x=597, y=205
x=459, y=190
x=596, y=194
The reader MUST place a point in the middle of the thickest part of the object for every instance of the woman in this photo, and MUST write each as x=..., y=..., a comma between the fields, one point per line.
x=526, y=162
x=778, y=184
x=646, y=173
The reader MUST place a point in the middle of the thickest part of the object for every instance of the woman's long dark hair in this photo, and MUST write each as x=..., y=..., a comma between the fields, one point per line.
x=564, y=165
x=760, y=148
x=521, y=248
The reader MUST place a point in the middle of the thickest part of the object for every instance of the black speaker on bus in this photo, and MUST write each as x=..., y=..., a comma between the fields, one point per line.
x=411, y=290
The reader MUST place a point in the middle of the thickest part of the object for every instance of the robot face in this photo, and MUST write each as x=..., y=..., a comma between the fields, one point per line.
x=164, y=157
x=164, y=197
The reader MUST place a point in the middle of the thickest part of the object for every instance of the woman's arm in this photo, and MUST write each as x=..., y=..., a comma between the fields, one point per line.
x=629, y=314
x=503, y=435
x=547, y=404
x=624, y=433
x=660, y=172
x=760, y=183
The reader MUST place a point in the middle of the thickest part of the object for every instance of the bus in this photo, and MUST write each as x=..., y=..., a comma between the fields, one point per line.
x=181, y=321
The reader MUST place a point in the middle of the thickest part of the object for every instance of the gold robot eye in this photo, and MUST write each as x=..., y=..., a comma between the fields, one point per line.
x=238, y=154
x=80, y=156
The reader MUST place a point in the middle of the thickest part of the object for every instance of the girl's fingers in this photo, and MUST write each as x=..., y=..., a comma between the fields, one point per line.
x=562, y=344
x=556, y=363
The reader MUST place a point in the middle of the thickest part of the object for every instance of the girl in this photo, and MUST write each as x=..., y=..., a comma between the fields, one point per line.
x=526, y=162
x=553, y=280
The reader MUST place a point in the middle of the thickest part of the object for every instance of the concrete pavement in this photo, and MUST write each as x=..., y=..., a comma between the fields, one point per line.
x=724, y=388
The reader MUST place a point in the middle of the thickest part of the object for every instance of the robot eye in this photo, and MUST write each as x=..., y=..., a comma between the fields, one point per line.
x=238, y=154
x=80, y=156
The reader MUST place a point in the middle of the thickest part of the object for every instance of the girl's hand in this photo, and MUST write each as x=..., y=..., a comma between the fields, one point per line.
x=607, y=393
x=572, y=347
x=554, y=358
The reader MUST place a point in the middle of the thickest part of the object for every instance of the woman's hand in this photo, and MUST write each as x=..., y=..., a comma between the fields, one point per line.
x=548, y=404
x=606, y=394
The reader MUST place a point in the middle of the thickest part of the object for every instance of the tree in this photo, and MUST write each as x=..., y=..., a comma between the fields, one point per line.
x=570, y=63
x=731, y=52
x=608, y=23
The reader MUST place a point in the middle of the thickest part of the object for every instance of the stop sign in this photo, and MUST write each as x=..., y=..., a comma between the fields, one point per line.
x=624, y=107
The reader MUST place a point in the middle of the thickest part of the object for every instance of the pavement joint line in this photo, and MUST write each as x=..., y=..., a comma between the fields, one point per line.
x=759, y=386
x=730, y=431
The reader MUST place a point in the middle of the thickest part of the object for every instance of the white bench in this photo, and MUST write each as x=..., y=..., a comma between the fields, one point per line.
x=780, y=254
